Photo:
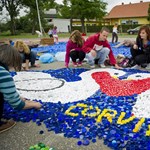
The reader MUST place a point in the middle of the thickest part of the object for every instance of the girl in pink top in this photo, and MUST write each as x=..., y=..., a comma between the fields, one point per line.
x=74, y=49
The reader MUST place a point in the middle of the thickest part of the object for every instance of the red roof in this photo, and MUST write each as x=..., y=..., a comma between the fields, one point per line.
x=129, y=10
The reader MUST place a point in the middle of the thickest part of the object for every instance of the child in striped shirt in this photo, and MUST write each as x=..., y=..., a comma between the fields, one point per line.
x=10, y=58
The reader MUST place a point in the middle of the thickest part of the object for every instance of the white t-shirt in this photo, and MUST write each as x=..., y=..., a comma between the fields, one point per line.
x=115, y=29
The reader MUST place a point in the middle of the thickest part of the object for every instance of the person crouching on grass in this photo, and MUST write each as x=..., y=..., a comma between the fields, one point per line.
x=74, y=49
x=10, y=58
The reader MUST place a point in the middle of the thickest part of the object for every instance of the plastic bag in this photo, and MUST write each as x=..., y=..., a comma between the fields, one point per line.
x=60, y=56
x=46, y=58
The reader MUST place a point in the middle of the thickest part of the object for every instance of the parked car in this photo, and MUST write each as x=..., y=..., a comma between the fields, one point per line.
x=133, y=31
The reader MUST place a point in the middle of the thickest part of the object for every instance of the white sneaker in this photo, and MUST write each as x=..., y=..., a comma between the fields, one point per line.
x=102, y=66
x=135, y=67
x=148, y=66
x=92, y=66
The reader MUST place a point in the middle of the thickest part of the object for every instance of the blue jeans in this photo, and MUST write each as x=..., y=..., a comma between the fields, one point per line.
x=101, y=55
x=32, y=58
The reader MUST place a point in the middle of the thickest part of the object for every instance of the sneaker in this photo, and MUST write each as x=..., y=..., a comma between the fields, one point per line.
x=79, y=64
x=92, y=66
x=148, y=66
x=102, y=65
x=74, y=64
x=7, y=125
x=144, y=65
x=135, y=67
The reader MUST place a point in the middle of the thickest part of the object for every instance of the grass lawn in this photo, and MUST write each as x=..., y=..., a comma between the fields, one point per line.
x=61, y=35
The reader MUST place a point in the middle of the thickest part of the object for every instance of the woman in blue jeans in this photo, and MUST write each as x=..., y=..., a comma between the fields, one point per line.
x=26, y=54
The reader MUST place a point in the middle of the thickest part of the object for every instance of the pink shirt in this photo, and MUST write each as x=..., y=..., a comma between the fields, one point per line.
x=94, y=39
x=69, y=47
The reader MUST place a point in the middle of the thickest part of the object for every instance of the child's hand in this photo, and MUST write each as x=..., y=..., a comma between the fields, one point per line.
x=66, y=65
x=93, y=53
x=32, y=104
x=135, y=46
x=72, y=50
x=117, y=67
x=23, y=99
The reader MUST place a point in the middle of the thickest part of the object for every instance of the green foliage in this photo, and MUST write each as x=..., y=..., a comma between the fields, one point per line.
x=65, y=12
x=32, y=14
x=88, y=10
x=4, y=27
x=94, y=29
x=148, y=18
x=47, y=4
x=30, y=23
x=12, y=7
x=83, y=9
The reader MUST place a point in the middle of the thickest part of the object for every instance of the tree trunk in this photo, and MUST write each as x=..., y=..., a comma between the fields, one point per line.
x=12, y=25
x=71, y=20
x=83, y=26
x=33, y=27
x=70, y=25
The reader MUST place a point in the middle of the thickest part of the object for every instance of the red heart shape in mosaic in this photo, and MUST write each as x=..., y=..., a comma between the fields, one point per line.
x=116, y=87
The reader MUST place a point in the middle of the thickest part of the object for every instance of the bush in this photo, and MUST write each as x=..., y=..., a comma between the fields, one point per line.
x=94, y=29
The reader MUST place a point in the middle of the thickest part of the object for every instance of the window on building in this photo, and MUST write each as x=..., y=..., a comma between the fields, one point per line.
x=123, y=22
x=131, y=22
x=135, y=22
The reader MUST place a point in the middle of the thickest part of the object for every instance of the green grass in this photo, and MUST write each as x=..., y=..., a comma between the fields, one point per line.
x=61, y=35
x=20, y=36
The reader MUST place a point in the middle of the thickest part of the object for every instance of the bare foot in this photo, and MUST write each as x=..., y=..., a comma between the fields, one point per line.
x=36, y=65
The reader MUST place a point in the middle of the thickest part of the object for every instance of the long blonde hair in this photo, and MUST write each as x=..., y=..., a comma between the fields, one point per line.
x=10, y=56
x=76, y=35
x=21, y=44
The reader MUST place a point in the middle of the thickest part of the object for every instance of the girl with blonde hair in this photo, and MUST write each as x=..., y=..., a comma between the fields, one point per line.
x=26, y=55
x=74, y=49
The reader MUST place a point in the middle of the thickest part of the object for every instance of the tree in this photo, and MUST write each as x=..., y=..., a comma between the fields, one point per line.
x=65, y=10
x=32, y=14
x=148, y=18
x=13, y=8
x=87, y=9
